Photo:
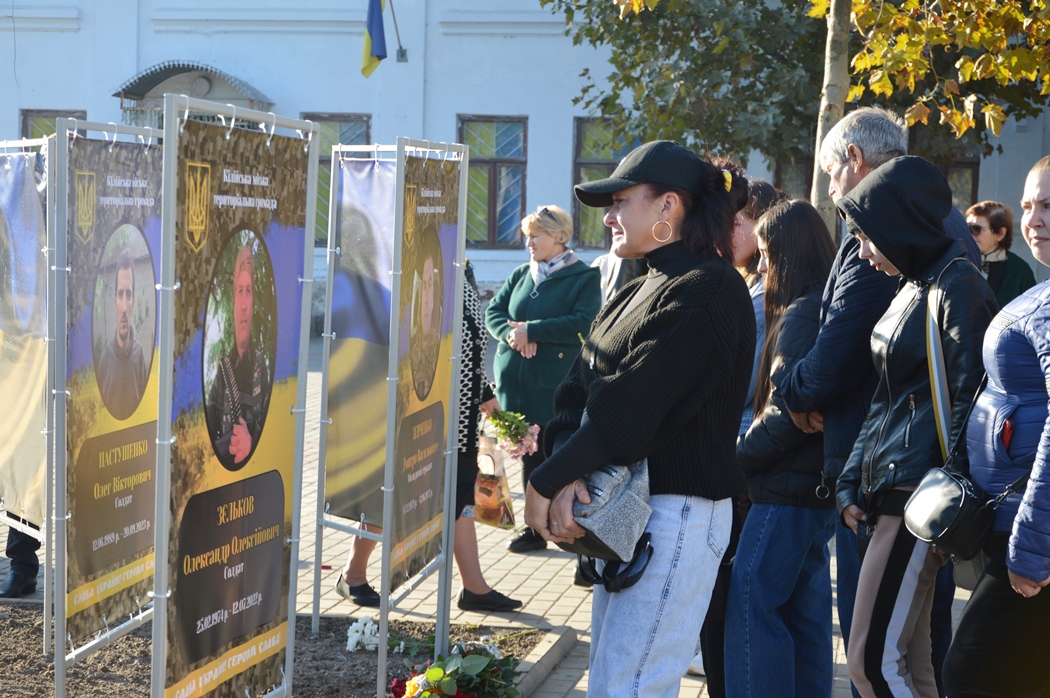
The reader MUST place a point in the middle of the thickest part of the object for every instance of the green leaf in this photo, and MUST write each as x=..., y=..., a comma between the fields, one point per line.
x=435, y=674
x=448, y=686
x=473, y=664
x=453, y=663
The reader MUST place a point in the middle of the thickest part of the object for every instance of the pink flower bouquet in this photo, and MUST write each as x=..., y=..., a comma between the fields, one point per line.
x=515, y=436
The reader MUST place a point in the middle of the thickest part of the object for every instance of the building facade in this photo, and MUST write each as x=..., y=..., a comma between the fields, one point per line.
x=500, y=76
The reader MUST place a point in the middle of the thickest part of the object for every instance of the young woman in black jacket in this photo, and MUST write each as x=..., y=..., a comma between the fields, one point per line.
x=661, y=377
x=778, y=614
x=896, y=213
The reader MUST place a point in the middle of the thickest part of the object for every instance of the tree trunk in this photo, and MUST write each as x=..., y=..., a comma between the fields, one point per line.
x=832, y=101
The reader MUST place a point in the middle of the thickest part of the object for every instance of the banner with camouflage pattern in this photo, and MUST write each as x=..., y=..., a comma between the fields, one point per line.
x=355, y=450
x=239, y=257
x=424, y=370
x=113, y=254
x=23, y=327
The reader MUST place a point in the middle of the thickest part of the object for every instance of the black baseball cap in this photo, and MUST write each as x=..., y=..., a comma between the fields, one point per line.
x=656, y=162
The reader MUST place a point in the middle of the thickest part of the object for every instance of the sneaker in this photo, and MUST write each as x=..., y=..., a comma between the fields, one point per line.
x=362, y=594
x=526, y=542
x=492, y=601
x=696, y=667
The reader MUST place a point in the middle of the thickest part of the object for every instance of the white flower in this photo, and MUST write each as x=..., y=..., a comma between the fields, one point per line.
x=363, y=633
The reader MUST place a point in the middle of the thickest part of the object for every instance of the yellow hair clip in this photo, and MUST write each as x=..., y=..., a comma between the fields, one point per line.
x=728, y=177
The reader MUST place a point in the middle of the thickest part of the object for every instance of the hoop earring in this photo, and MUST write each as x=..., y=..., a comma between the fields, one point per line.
x=670, y=231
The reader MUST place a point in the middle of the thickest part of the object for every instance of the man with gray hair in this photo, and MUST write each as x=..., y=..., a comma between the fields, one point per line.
x=826, y=391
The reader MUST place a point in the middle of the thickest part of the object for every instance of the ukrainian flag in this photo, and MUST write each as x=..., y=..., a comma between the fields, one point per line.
x=375, y=38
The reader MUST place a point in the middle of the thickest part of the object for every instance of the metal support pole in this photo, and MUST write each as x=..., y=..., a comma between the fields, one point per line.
x=166, y=343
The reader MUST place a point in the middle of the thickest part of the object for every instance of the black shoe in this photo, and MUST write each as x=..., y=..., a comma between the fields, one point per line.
x=16, y=585
x=579, y=580
x=362, y=594
x=526, y=542
x=492, y=601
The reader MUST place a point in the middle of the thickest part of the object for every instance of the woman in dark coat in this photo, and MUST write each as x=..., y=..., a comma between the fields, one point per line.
x=992, y=225
x=540, y=316
x=778, y=614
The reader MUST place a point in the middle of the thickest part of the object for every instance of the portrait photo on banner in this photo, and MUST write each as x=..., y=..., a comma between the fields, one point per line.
x=427, y=308
x=123, y=320
x=240, y=342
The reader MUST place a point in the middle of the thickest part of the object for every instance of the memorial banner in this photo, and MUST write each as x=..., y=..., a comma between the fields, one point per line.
x=424, y=371
x=113, y=254
x=239, y=256
x=359, y=353
x=23, y=327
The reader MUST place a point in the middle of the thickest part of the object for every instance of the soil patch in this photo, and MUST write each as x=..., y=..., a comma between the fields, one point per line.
x=323, y=667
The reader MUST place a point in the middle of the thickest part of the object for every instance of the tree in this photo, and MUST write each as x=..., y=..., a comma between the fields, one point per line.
x=832, y=101
x=954, y=57
x=720, y=75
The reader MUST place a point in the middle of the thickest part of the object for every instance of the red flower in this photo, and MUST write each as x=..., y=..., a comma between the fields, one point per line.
x=397, y=687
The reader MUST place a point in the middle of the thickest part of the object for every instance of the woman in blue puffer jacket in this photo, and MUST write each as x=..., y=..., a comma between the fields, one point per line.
x=1002, y=644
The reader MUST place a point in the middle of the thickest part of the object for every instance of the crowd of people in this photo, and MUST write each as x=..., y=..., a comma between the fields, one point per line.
x=781, y=391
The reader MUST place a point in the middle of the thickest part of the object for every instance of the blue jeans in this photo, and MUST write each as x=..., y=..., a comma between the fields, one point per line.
x=778, y=617
x=642, y=638
x=847, y=561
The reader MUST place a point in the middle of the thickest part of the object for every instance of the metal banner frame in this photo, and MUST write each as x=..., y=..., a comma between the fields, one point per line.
x=176, y=109
x=44, y=534
x=442, y=563
x=333, y=251
x=58, y=171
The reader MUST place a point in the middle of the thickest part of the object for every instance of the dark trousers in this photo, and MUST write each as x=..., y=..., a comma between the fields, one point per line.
x=21, y=550
x=1001, y=645
x=530, y=463
x=941, y=621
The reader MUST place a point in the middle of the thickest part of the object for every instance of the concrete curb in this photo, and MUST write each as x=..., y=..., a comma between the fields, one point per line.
x=543, y=658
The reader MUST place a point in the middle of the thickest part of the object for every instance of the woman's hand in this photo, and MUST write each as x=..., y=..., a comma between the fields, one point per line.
x=529, y=350
x=537, y=510
x=1026, y=587
x=563, y=526
x=809, y=422
x=519, y=335
x=490, y=406
x=852, y=514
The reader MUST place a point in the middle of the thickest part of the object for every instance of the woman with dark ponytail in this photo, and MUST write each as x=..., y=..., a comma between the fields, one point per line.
x=778, y=614
x=661, y=377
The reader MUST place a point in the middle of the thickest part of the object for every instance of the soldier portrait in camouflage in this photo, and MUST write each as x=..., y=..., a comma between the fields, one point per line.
x=240, y=391
x=427, y=306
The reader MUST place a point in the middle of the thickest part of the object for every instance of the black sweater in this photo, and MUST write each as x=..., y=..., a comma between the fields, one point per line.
x=665, y=381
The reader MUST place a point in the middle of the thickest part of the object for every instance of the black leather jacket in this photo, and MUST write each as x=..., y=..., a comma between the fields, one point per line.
x=898, y=443
x=783, y=464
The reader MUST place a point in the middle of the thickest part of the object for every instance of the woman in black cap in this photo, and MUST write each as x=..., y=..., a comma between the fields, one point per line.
x=661, y=377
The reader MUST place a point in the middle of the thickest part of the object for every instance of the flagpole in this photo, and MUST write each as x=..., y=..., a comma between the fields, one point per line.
x=402, y=55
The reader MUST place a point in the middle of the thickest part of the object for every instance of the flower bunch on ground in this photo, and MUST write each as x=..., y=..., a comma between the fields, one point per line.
x=362, y=634
x=515, y=435
x=475, y=670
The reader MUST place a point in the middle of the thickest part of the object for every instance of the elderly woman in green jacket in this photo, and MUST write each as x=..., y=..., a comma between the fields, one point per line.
x=540, y=316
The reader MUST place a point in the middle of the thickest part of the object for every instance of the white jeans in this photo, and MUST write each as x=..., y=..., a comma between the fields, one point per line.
x=642, y=638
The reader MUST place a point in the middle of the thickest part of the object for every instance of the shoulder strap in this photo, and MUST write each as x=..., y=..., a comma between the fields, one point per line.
x=942, y=407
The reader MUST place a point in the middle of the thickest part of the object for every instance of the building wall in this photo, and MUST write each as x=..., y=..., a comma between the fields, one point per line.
x=479, y=57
